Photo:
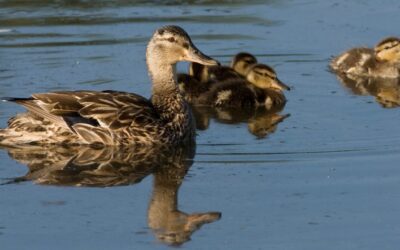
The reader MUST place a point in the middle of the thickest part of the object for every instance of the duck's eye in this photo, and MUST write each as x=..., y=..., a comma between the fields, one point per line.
x=185, y=45
x=171, y=39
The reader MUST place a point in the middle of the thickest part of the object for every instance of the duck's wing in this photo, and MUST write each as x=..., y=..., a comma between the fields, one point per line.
x=117, y=110
x=93, y=115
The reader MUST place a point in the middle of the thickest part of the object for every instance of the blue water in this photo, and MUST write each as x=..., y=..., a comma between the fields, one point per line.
x=326, y=178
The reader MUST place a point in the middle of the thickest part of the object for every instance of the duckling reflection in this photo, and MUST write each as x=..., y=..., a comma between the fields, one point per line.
x=260, y=121
x=385, y=90
x=264, y=125
x=115, y=166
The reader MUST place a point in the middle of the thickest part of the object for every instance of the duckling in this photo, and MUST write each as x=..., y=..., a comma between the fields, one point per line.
x=195, y=83
x=242, y=62
x=201, y=77
x=260, y=88
x=383, y=61
x=114, y=117
x=238, y=68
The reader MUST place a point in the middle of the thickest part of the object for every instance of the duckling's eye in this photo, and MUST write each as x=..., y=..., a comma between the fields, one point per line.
x=171, y=39
x=185, y=45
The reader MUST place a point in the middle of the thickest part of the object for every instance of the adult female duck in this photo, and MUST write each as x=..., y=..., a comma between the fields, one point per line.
x=112, y=117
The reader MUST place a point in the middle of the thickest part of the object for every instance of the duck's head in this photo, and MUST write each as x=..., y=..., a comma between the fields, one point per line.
x=171, y=44
x=264, y=77
x=242, y=62
x=388, y=50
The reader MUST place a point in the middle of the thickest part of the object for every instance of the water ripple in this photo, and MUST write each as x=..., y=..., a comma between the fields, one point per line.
x=96, y=20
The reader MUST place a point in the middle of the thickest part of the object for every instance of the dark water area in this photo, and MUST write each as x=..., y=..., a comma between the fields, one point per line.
x=322, y=173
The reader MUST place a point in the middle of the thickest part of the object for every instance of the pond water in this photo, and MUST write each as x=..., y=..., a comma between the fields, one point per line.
x=325, y=177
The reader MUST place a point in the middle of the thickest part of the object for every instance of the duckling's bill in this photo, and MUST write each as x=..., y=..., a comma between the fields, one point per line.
x=280, y=85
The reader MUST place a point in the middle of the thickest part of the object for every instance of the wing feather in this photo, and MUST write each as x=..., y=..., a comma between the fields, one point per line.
x=92, y=135
x=92, y=114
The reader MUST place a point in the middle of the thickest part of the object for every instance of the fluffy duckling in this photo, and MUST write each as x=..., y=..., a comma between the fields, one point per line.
x=238, y=68
x=260, y=88
x=113, y=117
x=195, y=83
x=242, y=62
x=201, y=77
x=383, y=61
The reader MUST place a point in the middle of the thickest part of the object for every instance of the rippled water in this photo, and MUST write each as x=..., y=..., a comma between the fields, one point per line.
x=326, y=177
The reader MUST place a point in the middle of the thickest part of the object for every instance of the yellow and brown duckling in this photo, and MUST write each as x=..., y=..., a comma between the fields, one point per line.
x=195, y=83
x=114, y=117
x=383, y=61
x=242, y=62
x=260, y=88
x=201, y=77
x=238, y=68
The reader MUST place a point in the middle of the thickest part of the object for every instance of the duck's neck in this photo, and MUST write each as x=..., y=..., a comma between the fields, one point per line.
x=163, y=77
x=166, y=96
x=164, y=202
x=161, y=71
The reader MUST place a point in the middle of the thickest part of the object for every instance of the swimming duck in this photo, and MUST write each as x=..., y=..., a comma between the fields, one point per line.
x=201, y=77
x=113, y=117
x=382, y=61
x=260, y=88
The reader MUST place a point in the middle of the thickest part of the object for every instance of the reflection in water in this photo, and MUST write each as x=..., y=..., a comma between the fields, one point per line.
x=386, y=91
x=112, y=166
x=261, y=121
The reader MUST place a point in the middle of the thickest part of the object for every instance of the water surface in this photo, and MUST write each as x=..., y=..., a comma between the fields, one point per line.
x=325, y=177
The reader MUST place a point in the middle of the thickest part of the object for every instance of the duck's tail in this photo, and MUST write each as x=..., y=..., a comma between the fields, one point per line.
x=15, y=99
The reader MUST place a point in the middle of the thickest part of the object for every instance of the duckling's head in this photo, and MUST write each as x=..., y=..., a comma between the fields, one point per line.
x=388, y=50
x=171, y=44
x=242, y=62
x=264, y=77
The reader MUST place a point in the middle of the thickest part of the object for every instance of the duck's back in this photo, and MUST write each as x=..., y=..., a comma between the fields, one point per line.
x=269, y=98
x=354, y=61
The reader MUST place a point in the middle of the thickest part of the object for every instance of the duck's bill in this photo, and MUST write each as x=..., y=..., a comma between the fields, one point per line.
x=195, y=55
x=280, y=85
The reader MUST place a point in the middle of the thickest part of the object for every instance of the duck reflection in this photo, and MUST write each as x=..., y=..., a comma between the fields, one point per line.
x=260, y=121
x=111, y=166
x=385, y=90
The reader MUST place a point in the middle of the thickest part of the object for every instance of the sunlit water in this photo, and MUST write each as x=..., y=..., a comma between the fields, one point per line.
x=327, y=177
